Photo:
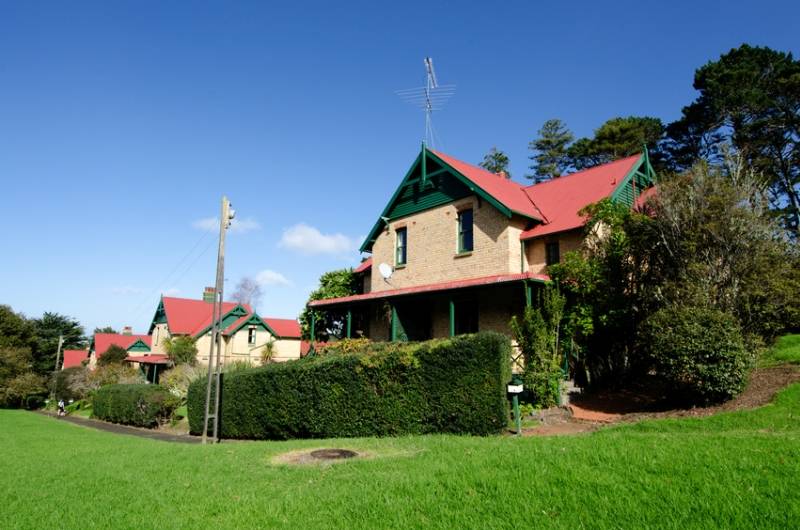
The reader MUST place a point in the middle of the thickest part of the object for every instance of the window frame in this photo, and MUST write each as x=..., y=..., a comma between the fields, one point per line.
x=251, y=332
x=548, y=254
x=460, y=247
x=398, y=247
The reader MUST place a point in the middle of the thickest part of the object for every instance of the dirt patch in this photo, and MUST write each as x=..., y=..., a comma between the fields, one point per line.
x=307, y=457
x=650, y=400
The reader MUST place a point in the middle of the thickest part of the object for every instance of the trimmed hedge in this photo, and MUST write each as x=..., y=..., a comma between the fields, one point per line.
x=454, y=385
x=139, y=405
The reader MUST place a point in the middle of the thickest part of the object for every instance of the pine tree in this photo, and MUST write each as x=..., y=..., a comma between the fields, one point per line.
x=496, y=161
x=550, y=151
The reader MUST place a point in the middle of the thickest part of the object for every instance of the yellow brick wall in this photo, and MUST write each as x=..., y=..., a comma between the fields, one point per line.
x=535, y=249
x=433, y=243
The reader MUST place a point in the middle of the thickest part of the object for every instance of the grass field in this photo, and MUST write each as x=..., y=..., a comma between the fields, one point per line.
x=732, y=470
x=785, y=350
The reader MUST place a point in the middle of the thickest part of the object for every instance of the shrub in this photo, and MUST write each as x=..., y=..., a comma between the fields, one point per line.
x=112, y=374
x=72, y=383
x=113, y=355
x=537, y=334
x=181, y=350
x=698, y=350
x=455, y=385
x=178, y=379
x=139, y=405
x=25, y=390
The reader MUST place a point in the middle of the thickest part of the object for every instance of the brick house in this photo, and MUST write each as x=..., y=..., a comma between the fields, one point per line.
x=244, y=332
x=466, y=248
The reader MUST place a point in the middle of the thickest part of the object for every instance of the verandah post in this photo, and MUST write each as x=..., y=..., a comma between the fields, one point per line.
x=349, y=322
x=452, y=318
x=394, y=323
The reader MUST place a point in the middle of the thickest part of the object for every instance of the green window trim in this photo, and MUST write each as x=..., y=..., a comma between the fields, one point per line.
x=401, y=246
x=465, y=233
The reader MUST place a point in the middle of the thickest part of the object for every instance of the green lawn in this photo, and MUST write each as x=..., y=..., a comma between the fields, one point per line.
x=733, y=470
x=785, y=350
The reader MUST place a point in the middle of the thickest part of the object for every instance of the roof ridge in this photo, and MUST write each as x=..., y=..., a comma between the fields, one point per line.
x=576, y=173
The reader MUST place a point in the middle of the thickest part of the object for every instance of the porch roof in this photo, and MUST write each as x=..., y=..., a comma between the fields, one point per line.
x=148, y=359
x=432, y=288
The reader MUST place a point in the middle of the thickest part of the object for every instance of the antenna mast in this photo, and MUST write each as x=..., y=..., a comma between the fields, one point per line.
x=429, y=98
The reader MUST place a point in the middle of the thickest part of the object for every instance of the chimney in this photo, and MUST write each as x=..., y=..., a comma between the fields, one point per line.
x=127, y=330
x=209, y=295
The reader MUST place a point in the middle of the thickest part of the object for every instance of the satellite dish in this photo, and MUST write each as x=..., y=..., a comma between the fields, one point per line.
x=386, y=270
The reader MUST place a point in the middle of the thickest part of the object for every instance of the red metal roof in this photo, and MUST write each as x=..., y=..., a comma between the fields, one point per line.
x=148, y=359
x=284, y=327
x=103, y=341
x=509, y=193
x=562, y=198
x=74, y=358
x=365, y=265
x=433, y=287
x=187, y=317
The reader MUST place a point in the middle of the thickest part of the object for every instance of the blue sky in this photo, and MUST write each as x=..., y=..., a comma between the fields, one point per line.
x=123, y=123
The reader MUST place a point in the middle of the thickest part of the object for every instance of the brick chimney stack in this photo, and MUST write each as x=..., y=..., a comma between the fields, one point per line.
x=127, y=330
x=208, y=295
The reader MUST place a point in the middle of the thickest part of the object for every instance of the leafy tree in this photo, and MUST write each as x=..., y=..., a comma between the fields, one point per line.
x=333, y=284
x=17, y=391
x=15, y=330
x=615, y=139
x=107, y=329
x=46, y=331
x=181, y=349
x=496, y=161
x=549, y=158
x=113, y=355
x=750, y=99
x=248, y=291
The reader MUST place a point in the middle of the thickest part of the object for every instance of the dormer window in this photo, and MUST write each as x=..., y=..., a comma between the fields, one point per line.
x=401, y=246
x=465, y=231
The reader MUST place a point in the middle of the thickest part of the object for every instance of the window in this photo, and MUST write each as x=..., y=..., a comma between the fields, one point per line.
x=551, y=256
x=251, y=335
x=401, y=243
x=466, y=313
x=465, y=231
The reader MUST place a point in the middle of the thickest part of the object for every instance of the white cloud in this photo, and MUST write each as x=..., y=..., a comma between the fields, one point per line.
x=238, y=226
x=269, y=277
x=126, y=290
x=308, y=240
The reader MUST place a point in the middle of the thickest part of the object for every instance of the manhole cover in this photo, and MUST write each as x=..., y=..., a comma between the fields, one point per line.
x=333, y=454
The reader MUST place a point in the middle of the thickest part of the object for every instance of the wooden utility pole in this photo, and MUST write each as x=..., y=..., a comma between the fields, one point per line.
x=214, y=368
x=55, y=370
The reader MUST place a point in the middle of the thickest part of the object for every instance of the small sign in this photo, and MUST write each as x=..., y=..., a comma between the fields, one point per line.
x=514, y=389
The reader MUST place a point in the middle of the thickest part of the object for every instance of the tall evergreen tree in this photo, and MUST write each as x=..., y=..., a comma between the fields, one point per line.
x=749, y=99
x=549, y=158
x=615, y=139
x=496, y=161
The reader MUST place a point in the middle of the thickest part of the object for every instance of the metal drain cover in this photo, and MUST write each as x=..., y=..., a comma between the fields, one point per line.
x=332, y=454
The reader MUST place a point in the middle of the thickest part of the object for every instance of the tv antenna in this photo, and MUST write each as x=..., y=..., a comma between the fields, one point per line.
x=429, y=98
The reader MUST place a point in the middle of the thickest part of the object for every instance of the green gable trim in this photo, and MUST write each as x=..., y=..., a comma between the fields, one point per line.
x=254, y=320
x=642, y=175
x=423, y=189
x=227, y=319
x=138, y=346
x=159, y=318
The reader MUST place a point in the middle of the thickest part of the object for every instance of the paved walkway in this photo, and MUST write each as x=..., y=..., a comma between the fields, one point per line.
x=130, y=431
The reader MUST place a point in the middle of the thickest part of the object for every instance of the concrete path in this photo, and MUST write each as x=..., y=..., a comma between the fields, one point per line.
x=130, y=431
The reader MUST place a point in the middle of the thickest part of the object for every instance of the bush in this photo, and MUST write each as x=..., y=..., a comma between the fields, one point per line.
x=72, y=383
x=698, y=350
x=112, y=374
x=178, y=379
x=113, y=355
x=139, y=405
x=25, y=390
x=455, y=385
x=181, y=350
